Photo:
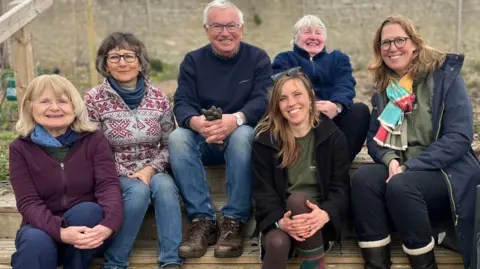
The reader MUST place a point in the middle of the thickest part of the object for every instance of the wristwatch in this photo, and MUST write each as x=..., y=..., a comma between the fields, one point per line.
x=239, y=119
x=339, y=108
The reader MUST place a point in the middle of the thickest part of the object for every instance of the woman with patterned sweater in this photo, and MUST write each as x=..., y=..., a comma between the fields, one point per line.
x=137, y=119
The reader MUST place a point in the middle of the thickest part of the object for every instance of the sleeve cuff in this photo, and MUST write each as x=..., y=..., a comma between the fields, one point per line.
x=389, y=156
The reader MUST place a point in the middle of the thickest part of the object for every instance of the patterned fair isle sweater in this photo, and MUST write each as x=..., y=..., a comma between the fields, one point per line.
x=137, y=137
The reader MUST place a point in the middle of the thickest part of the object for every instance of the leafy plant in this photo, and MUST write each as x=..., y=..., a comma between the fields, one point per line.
x=8, y=113
x=5, y=139
x=157, y=65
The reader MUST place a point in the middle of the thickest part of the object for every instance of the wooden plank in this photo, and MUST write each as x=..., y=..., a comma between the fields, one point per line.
x=20, y=15
x=145, y=252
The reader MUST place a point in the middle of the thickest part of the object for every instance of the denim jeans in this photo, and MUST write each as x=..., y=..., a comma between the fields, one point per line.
x=189, y=153
x=136, y=198
x=37, y=250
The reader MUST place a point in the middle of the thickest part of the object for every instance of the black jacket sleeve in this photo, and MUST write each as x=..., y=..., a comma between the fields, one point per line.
x=268, y=203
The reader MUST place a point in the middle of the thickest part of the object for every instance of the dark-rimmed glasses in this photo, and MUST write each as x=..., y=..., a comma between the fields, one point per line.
x=399, y=42
x=218, y=28
x=289, y=73
x=115, y=58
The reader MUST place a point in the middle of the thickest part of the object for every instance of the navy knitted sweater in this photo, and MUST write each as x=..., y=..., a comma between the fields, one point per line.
x=234, y=84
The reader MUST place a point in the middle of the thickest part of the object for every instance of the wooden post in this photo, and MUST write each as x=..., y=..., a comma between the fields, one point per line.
x=149, y=25
x=22, y=61
x=91, y=42
x=458, y=37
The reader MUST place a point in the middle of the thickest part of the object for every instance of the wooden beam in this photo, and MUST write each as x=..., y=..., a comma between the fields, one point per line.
x=22, y=61
x=21, y=14
x=91, y=42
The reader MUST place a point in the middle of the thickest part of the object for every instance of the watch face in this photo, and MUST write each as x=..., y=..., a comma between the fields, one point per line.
x=239, y=119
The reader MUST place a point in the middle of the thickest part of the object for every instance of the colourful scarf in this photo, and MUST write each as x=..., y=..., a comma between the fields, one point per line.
x=393, y=128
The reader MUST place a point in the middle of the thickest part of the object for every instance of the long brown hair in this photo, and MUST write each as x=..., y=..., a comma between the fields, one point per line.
x=425, y=55
x=277, y=124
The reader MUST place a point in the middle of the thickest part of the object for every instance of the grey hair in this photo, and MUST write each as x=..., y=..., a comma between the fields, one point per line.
x=221, y=4
x=126, y=41
x=308, y=21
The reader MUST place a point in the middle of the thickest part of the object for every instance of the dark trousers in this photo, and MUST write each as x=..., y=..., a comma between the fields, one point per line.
x=279, y=245
x=354, y=124
x=37, y=250
x=415, y=202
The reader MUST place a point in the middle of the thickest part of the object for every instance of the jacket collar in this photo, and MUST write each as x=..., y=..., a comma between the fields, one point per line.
x=304, y=53
x=453, y=63
x=323, y=131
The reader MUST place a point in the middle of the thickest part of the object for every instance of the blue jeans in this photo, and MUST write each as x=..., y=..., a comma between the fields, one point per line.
x=37, y=250
x=189, y=153
x=136, y=198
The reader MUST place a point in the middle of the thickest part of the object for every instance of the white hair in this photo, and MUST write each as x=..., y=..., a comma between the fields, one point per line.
x=221, y=4
x=305, y=22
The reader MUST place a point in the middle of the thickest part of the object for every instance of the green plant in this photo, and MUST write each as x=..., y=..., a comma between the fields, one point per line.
x=5, y=139
x=257, y=20
x=8, y=112
x=157, y=65
x=169, y=72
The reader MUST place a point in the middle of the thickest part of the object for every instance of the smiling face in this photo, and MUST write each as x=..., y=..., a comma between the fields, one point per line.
x=311, y=39
x=125, y=73
x=295, y=104
x=224, y=43
x=54, y=112
x=397, y=59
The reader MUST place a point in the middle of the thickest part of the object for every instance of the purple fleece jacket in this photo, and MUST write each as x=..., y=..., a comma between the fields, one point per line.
x=46, y=188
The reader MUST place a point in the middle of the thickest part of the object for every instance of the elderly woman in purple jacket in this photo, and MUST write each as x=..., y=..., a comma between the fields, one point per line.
x=63, y=175
x=332, y=79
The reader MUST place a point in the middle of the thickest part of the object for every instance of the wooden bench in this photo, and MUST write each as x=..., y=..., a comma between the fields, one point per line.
x=144, y=255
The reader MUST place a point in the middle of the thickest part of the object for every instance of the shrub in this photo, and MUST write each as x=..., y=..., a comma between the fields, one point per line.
x=5, y=139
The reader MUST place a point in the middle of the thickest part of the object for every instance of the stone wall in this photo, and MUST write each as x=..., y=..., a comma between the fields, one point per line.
x=59, y=34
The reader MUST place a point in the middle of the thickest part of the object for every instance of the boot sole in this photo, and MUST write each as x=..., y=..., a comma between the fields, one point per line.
x=231, y=254
x=197, y=254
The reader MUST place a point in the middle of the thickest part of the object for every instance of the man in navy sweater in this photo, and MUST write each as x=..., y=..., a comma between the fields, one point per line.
x=234, y=76
x=332, y=79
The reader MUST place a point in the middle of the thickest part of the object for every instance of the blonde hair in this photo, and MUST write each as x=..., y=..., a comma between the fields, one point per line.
x=277, y=124
x=60, y=86
x=425, y=55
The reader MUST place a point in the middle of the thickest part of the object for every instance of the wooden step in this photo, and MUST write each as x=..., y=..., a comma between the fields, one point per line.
x=145, y=255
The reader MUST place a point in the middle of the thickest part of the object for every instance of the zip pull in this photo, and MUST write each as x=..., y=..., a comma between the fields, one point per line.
x=62, y=166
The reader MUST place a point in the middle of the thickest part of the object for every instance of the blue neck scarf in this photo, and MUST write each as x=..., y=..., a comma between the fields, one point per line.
x=42, y=137
x=131, y=97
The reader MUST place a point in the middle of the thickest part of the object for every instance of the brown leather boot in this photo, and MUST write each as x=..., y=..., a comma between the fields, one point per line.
x=202, y=233
x=230, y=241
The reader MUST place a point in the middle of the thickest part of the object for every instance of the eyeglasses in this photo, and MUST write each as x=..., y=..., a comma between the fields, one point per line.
x=218, y=28
x=115, y=58
x=289, y=73
x=399, y=42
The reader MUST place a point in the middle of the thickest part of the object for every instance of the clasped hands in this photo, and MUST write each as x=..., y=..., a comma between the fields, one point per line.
x=303, y=226
x=82, y=237
x=214, y=131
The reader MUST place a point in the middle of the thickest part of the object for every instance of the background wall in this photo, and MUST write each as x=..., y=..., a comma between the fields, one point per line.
x=59, y=35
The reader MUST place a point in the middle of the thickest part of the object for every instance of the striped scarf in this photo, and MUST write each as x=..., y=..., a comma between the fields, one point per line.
x=393, y=127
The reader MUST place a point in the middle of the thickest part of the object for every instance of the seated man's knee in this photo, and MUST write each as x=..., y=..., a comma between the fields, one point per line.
x=243, y=135
x=297, y=203
x=180, y=139
x=278, y=240
x=240, y=142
